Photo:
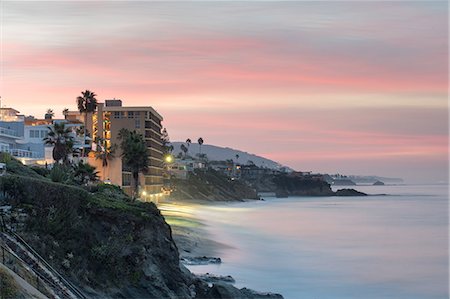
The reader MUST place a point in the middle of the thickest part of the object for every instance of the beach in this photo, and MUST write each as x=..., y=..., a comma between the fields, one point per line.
x=392, y=246
x=189, y=232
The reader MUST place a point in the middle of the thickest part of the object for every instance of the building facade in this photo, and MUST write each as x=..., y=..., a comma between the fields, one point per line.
x=106, y=124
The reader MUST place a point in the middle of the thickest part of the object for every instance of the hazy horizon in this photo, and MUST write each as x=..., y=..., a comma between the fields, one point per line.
x=348, y=87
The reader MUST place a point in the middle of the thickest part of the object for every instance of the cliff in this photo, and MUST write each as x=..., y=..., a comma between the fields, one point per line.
x=211, y=185
x=101, y=241
x=108, y=247
x=286, y=185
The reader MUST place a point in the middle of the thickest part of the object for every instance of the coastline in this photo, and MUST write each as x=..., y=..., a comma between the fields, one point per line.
x=188, y=232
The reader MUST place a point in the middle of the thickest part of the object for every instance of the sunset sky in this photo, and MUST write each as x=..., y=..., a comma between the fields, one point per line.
x=348, y=87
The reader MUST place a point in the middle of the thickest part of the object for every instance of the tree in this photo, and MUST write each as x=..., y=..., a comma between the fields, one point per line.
x=65, y=112
x=85, y=173
x=59, y=137
x=86, y=103
x=134, y=155
x=184, y=149
x=167, y=146
x=105, y=153
x=237, y=158
x=188, y=143
x=200, y=143
x=49, y=114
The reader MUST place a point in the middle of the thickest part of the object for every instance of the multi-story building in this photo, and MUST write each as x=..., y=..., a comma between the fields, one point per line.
x=107, y=122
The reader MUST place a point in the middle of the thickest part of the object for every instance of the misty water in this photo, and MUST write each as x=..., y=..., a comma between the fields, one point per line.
x=393, y=246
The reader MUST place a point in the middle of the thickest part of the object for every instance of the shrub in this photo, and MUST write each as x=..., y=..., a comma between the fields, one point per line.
x=40, y=170
x=60, y=173
x=14, y=166
x=8, y=287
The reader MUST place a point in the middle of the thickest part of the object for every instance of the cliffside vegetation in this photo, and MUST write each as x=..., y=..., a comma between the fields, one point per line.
x=211, y=185
x=100, y=239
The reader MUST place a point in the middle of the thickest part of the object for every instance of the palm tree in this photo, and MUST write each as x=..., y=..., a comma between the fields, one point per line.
x=85, y=173
x=237, y=158
x=105, y=153
x=59, y=137
x=188, y=143
x=86, y=103
x=134, y=155
x=65, y=112
x=200, y=142
x=184, y=149
x=167, y=147
x=49, y=114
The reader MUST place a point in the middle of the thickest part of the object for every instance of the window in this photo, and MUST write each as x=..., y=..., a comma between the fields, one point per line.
x=130, y=114
x=43, y=134
x=126, y=179
x=116, y=114
x=137, y=124
x=34, y=133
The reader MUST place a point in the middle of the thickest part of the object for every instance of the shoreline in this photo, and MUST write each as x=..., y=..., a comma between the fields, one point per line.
x=189, y=232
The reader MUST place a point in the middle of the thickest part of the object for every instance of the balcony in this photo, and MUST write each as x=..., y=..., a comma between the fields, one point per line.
x=9, y=133
x=20, y=153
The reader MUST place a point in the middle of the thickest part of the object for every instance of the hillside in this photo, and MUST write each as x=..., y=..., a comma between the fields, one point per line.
x=217, y=153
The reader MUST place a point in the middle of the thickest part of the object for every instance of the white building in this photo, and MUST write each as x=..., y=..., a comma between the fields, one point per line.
x=23, y=138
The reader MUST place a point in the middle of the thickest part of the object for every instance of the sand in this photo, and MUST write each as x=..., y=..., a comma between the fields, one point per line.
x=188, y=232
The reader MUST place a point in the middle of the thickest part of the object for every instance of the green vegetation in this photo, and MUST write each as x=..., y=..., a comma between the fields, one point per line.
x=211, y=185
x=8, y=287
x=134, y=155
x=59, y=137
x=97, y=226
x=86, y=103
x=104, y=152
x=14, y=166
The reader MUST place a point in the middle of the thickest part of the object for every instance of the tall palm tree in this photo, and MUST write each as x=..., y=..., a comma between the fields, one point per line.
x=59, y=137
x=86, y=103
x=188, y=143
x=65, y=112
x=184, y=149
x=105, y=153
x=134, y=155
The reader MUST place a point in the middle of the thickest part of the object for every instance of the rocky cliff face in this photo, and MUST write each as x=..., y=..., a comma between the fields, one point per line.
x=212, y=185
x=109, y=248
x=106, y=246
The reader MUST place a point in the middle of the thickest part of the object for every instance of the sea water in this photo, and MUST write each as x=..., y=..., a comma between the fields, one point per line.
x=392, y=246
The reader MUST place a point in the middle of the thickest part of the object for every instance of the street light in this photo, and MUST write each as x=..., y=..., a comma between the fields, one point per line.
x=168, y=159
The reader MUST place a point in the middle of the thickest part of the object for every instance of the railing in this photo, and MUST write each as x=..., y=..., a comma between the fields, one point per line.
x=8, y=132
x=13, y=262
x=65, y=282
x=71, y=292
x=20, y=153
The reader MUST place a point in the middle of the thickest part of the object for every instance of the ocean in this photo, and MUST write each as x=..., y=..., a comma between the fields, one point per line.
x=392, y=246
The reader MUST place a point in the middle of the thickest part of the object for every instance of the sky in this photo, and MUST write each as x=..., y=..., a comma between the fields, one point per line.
x=338, y=87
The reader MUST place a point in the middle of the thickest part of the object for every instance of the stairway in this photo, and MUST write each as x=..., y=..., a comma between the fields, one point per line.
x=24, y=254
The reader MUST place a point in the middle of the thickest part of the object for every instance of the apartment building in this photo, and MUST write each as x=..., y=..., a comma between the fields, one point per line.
x=13, y=138
x=107, y=122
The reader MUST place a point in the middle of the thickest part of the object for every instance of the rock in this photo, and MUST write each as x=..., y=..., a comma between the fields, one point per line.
x=349, y=192
x=212, y=278
x=227, y=291
x=200, y=260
